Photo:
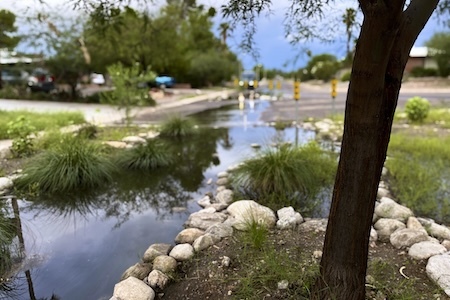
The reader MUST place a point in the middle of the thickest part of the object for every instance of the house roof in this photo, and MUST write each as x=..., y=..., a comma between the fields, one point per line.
x=419, y=52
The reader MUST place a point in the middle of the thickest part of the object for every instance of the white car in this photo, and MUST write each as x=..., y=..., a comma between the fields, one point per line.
x=97, y=79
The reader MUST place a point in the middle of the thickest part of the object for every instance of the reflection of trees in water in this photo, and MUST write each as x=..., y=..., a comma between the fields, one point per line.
x=135, y=192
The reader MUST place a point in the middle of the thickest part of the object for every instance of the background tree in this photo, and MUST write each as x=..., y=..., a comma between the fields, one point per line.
x=439, y=48
x=349, y=19
x=388, y=32
x=8, y=40
x=321, y=67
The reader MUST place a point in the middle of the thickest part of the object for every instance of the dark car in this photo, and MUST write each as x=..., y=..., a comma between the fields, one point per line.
x=162, y=82
x=41, y=80
x=14, y=77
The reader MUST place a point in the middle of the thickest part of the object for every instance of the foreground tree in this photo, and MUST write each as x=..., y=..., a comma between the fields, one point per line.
x=387, y=35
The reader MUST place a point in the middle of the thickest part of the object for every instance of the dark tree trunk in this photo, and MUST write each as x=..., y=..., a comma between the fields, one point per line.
x=386, y=38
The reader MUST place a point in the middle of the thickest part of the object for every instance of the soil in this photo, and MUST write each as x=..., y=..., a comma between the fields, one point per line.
x=205, y=277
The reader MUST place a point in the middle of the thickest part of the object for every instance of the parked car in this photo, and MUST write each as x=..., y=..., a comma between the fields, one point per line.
x=162, y=82
x=247, y=80
x=98, y=79
x=14, y=77
x=41, y=80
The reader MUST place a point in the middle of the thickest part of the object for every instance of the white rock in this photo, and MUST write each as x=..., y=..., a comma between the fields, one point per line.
x=188, y=235
x=139, y=270
x=373, y=235
x=222, y=174
x=413, y=223
x=314, y=225
x=438, y=231
x=204, y=202
x=182, y=252
x=288, y=218
x=438, y=269
x=133, y=289
x=283, y=285
x=446, y=244
x=165, y=264
x=225, y=196
x=425, y=250
x=156, y=250
x=115, y=144
x=382, y=192
x=221, y=230
x=204, y=219
x=385, y=227
x=220, y=188
x=388, y=208
x=222, y=181
x=134, y=140
x=157, y=279
x=203, y=242
x=406, y=237
x=219, y=206
x=248, y=211
x=226, y=261
x=5, y=183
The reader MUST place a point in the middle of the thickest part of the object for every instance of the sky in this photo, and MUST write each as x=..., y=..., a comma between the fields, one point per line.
x=273, y=45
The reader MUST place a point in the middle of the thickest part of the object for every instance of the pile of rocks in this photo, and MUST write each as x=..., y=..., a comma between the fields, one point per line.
x=220, y=216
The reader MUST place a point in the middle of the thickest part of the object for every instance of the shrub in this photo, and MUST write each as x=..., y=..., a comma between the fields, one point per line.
x=423, y=72
x=74, y=163
x=285, y=176
x=22, y=144
x=177, y=126
x=346, y=76
x=151, y=155
x=417, y=109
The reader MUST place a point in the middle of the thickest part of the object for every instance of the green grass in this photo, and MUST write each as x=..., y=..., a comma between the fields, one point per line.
x=285, y=176
x=116, y=133
x=419, y=176
x=73, y=164
x=40, y=121
x=177, y=126
x=6, y=236
x=436, y=116
x=151, y=155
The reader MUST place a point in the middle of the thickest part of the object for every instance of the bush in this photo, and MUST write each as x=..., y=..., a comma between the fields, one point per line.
x=177, y=126
x=346, y=76
x=285, y=176
x=74, y=163
x=423, y=72
x=21, y=130
x=151, y=155
x=417, y=109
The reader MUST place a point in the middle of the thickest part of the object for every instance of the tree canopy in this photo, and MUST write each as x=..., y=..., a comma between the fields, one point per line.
x=439, y=48
x=7, y=30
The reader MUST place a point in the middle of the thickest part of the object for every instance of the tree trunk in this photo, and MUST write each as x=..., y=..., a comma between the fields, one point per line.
x=387, y=35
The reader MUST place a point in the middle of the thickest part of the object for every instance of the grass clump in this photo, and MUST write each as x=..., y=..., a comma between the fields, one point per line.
x=285, y=176
x=74, y=163
x=418, y=173
x=150, y=155
x=177, y=126
x=40, y=121
x=6, y=236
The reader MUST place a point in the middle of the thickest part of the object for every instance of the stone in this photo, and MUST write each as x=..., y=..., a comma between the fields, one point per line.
x=226, y=261
x=382, y=192
x=438, y=231
x=220, y=188
x=314, y=225
x=134, y=140
x=446, y=244
x=5, y=183
x=205, y=218
x=133, y=289
x=406, y=237
x=390, y=209
x=188, y=235
x=165, y=264
x=413, y=223
x=219, y=206
x=157, y=280
x=222, y=174
x=248, y=211
x=204, y=202
x=225, y=196
x=203, y=242
x=385, y=227
x=425, y=250
x=221, y=230
x=139, y=270
x=438, y=269
x=222, y=181
x=288, y=218
x=156, y=250
x=115, y=144
x=283, y=285
x=373, y=235
x=182, y=252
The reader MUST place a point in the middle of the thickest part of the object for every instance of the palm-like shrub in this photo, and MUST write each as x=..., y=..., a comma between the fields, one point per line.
x=150, y=155
x=74, y=163
x=177, y=126
x=285, y=176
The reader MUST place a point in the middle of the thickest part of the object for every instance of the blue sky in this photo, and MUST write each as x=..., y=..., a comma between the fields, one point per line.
x=274, y=49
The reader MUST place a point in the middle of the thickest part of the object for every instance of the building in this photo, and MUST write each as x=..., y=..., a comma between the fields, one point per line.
x=420, y=57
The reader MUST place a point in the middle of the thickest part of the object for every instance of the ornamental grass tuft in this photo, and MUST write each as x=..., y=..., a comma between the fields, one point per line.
x=74, y=163
x=285, y=176
x=147, y=156
x=177, y=126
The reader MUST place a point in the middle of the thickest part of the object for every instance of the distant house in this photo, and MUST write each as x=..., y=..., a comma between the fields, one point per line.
x=420, y=57
x=12, y=58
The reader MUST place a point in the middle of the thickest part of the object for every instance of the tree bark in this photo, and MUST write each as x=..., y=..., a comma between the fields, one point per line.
x=386, y=37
